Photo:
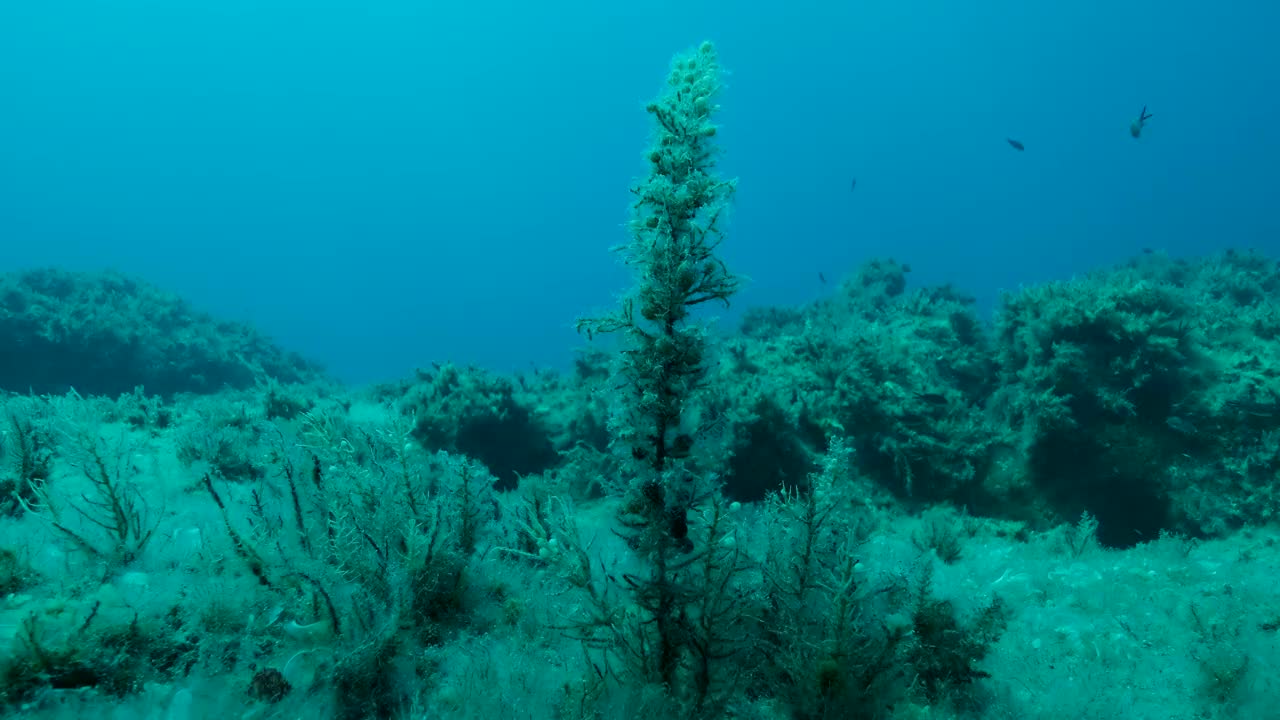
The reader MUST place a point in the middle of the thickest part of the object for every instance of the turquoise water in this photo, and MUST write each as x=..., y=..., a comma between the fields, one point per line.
x=386, y=183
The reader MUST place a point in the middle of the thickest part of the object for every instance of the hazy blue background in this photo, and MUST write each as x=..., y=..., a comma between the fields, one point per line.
x=384, y=183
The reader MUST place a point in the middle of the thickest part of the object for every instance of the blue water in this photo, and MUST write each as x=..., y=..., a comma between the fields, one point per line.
x=387, y=183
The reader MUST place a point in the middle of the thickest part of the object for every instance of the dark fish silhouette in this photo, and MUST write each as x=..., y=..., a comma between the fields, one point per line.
x=1256, y=408
x=1016, y=145
x=853, y=184
x=1135, y=127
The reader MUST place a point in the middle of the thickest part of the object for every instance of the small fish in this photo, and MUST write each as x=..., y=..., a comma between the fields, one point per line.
x=1135, y=127
x=1015, y=144
x=1180, y=425
x=822, y=278
x=853, y=184
x=1256, y=408
x=932, y=398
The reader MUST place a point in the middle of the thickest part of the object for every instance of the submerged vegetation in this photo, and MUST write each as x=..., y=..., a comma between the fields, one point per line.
x=877, y=505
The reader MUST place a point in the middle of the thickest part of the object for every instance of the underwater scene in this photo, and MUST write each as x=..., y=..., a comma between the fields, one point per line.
x=311, y=439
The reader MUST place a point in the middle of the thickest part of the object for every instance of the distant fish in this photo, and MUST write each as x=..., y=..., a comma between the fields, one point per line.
x=1135, y=127
x=853, y=184
x=822, y=277
x=1256, y=408
x=1016, y=145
